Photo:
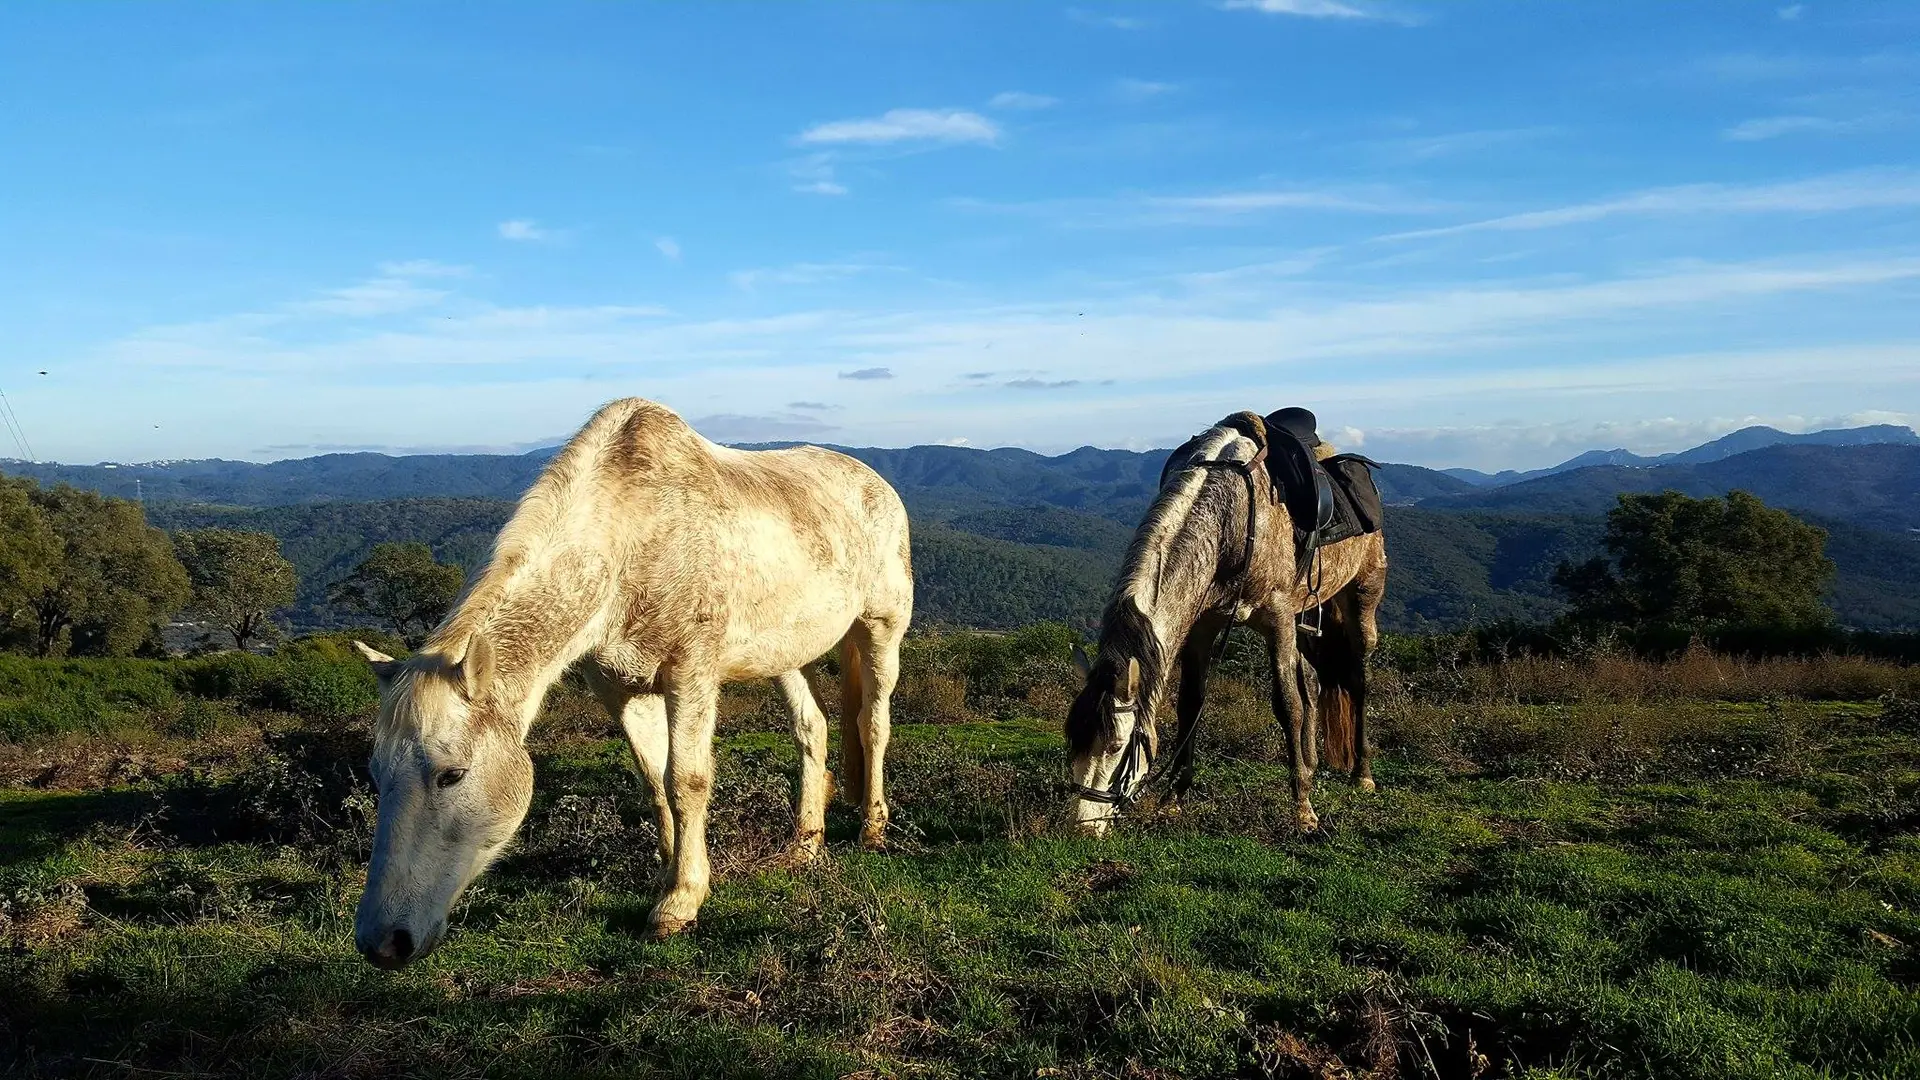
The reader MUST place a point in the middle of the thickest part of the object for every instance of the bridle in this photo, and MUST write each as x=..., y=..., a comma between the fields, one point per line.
x=1123, y=790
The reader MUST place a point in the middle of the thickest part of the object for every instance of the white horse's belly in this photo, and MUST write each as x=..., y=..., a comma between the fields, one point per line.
x=786, y=609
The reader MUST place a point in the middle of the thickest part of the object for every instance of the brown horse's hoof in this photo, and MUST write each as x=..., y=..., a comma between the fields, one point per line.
x=1366, y=784
x=1309, y=821
x=874, y=837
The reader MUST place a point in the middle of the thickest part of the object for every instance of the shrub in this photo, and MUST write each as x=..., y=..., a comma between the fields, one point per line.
x=228, y=676
x=337, y=645
x=326, y=690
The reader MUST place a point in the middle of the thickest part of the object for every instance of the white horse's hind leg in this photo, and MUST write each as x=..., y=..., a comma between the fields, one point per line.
x=644, y=718
x=810, y=738
x=691, y=712
x=878, y=643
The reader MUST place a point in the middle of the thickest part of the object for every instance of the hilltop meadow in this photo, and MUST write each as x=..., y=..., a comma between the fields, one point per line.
x=1583, y=865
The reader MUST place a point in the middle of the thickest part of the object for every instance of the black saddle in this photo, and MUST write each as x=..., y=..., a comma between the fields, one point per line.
x=1328, y=501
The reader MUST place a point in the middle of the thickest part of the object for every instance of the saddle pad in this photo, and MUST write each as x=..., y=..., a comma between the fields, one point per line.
x=1356, y=499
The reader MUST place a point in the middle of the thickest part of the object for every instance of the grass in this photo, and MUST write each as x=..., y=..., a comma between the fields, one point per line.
x=1601, y=884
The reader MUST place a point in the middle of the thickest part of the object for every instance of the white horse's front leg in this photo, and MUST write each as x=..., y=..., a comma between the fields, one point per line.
x=691, y=711
x=644, y=718
x=810, y=738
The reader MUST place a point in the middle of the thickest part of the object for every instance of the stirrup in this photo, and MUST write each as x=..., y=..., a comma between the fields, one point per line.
x=1311, y=630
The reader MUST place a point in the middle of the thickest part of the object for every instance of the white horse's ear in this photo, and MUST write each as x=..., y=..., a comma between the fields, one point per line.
x=1133, y=680
x=1081, y=664
x=383, y=665
x=475, y=666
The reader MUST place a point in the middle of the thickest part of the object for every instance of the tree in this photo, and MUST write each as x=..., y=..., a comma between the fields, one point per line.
x=239, y=579
x=1678, y=561
x=28, y=550
x=115, y=578
x=401, y=584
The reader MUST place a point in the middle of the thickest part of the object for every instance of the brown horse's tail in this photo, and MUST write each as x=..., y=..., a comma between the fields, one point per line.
x=853, y=756
x=1336, y=721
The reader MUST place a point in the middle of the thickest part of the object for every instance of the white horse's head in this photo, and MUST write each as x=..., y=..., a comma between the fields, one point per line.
x=454, y=783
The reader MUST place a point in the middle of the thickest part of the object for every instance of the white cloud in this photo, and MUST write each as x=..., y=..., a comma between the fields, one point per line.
x=1142, y=89
x=1791, y=12
x=424, y=268
x=1375, y=360
x=814, y=175
x=1773, y=127
x=1424, y=147
x=906, y=125
x=378, y=296
x=1113, y=22
x=803, y=273
x=668, y=247
x=1862, y=190
x=1210, y=208
x=522, y=229
x=1311, y=9
x=1020, y=99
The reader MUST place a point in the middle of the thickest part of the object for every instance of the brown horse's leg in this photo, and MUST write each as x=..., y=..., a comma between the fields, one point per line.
x=1193, y=697
x=1290, y=709
x=1361, y=634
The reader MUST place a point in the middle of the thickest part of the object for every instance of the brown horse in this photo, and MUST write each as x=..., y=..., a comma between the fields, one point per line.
x=1217, y=549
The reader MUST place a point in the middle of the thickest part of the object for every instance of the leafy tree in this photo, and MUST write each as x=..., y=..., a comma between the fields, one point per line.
x=28, y=550
x=1677, y=561
x=114, y=581
x=239, y=579
x=401, y=584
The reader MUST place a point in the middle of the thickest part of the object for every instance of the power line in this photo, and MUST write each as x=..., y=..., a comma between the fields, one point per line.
x=18, y=432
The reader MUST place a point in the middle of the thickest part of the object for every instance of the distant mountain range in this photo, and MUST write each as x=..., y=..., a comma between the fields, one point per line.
x=1006, y=536
x=1739, y=442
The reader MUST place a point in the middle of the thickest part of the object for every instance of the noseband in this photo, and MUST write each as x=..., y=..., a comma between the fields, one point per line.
x=1123, y=790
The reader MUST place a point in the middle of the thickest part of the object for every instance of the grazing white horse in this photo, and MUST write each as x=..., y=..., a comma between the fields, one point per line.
x=669, y=565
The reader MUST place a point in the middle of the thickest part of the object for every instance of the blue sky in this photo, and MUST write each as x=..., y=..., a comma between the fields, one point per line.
x=1465, y=234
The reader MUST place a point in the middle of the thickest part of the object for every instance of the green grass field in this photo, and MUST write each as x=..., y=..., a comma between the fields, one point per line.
x=1692, y=889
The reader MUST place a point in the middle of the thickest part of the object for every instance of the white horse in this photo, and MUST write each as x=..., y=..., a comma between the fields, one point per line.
x=670, y=566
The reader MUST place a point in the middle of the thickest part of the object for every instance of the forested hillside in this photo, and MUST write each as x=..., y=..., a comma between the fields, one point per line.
x=1007, y=537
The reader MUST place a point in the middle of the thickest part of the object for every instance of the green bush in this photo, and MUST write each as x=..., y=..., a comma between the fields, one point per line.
x=79, y=708
x=337, y=645
x=228, y=676
x=326, y=689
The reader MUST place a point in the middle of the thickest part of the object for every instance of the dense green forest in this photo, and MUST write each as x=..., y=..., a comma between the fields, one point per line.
x=1007, y=537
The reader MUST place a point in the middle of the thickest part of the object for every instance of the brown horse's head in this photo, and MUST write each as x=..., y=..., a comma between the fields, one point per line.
x=1111, y=735
x=454, y=784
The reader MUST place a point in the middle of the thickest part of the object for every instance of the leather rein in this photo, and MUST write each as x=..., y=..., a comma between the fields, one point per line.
x=1124, y=790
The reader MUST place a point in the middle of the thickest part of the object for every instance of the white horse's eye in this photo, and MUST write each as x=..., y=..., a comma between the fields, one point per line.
x=450, y=777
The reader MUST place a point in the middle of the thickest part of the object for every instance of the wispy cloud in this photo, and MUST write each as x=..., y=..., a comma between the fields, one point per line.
x=424, y=268
x=1425, y=147
x=868, y=374
x=1206, y=208
x=814, y=175
x=1791, y=12
x=771, y=427
x=378, y=296
x=1041, y=384
x=1112, y=22
x=668, y=247
x=905, y=125
x=1861, y=190
x=803, y=273
x=1310, y=9
x=523, y=230
x=812, y=406
x=1020, y=99
x=1773, y=127
x=1142, y=89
